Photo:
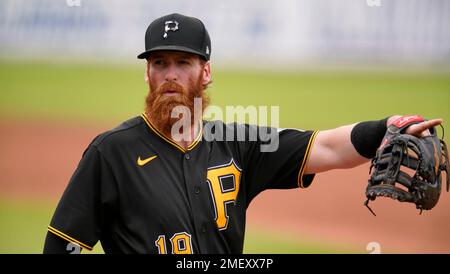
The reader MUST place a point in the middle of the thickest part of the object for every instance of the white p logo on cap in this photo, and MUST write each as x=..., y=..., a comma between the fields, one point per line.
x=170, y=25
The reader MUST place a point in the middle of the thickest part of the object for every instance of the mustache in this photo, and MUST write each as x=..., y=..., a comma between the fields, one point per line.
x=170, y=86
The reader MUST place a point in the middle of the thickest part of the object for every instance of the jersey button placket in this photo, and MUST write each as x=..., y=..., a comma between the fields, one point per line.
x=187, y=156
x=196, y=190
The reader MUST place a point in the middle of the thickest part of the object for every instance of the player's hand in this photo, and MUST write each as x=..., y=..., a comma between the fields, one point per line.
x=421, y=129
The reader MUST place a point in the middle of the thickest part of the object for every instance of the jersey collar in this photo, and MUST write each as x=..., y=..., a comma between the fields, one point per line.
x=162, y=136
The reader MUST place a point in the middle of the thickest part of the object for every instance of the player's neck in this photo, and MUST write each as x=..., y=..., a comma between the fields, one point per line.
x=186, y=137
x=194, y=131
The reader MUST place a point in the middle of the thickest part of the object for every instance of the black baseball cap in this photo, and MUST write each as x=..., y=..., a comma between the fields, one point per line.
x=177, y=32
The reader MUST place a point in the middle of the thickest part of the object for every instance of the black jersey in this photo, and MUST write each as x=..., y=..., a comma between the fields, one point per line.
x=137, y=191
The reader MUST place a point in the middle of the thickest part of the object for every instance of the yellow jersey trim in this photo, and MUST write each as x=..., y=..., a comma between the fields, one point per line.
x=68, y=238
x=160, y=134
x=305, y=159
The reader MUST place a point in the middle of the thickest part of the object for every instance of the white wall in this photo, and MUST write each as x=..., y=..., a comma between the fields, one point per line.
x=283, y=30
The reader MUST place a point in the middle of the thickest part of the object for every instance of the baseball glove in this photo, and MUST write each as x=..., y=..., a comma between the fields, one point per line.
x=407, y=168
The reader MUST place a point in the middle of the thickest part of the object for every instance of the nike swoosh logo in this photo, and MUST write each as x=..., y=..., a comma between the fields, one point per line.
x=141, y=162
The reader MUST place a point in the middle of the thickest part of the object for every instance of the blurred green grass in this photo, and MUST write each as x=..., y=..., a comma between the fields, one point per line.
x=109, y=94
x=259, y=241
x=309, y=100
x=24, y=226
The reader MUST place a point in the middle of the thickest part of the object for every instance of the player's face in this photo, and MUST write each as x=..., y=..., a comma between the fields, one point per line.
x=178, y=67
x=175, y=79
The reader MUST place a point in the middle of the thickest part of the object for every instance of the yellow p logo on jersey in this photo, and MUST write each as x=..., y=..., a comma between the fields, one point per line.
x=224, y=183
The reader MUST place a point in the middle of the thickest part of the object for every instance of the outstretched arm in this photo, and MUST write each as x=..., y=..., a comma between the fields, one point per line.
x=344, y=146
x=333, y=149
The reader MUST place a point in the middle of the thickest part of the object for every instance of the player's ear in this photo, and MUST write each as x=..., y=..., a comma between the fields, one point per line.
x=147, y=71
x=206, y=74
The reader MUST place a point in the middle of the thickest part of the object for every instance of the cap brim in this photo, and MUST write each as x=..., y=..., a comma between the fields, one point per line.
x=147, y=53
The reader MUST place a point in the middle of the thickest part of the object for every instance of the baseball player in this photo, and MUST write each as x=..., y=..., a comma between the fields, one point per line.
x=139, y=188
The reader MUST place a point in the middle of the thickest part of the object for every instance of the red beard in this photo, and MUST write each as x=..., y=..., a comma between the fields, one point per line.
x=159, y=106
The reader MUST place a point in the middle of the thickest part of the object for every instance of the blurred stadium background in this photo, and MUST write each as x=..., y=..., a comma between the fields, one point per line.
x=68, y=71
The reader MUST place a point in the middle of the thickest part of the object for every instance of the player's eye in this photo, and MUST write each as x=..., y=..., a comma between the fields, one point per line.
x=158, y=62
x=183, y=62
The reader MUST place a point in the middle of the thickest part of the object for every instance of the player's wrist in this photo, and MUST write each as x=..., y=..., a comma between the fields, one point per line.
x=366, y=136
